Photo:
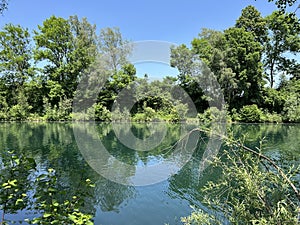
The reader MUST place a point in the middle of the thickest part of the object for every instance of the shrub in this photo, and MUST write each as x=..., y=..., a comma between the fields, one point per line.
x=272, y=117
x=251, y=114
x=235, y=116
x=101, y=112
x=292, y=109
x=62, y=111
x=120, y=115
x=213, y=114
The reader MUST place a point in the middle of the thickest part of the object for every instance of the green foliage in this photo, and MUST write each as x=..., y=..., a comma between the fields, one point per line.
x=61, y=111
x=21, y=110
x=199, y=217
x=244, y=58
x=53, y=209
x=283, y=4
x=15, y=55
x=14, y=181
x=272, y=117
x=252, y=21
x=101, y=113
x=292, y=109
x=273, y=100
x=282, y=43
x=213, y=114
x=67, y=49
x=183, y=58
x=148, y=114
x=40, y=74
x=251, y=190
x=118, y=115
x=233, y=56
x=50, y=202
x=251, y=114
x=114, y=47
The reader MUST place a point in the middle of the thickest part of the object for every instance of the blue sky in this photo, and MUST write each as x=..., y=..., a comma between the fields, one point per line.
x=174, y=21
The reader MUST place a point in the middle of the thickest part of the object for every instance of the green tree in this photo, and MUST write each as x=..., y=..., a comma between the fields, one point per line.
x=55, y=46
x=115, y=84
x=183, y=59
x=114, y=47
x=15, y=59
x=283, y=42
x=210, y=46
x=235, y=58
x=85, y=41
x=243, y=57
x=114, y=50
x=68, y=47
x=252, y=21
x=291, y=107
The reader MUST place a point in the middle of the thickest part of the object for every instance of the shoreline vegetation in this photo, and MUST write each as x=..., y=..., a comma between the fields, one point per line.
x=248, y=114
x=254, y=63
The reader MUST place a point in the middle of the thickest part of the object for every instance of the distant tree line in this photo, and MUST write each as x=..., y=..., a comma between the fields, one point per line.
x=255, y=63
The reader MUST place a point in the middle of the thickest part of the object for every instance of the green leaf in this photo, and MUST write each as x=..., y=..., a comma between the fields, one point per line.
x=46, y=215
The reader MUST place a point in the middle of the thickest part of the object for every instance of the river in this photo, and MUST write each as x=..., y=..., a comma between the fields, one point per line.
x=139, y=179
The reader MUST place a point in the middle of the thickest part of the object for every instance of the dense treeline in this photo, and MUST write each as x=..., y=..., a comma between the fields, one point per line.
x=247, y=60
x=255, y=63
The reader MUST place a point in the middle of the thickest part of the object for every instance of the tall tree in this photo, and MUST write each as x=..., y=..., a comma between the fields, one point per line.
x=252, y=21
x=85, y=40
x=243, y=56
x=183, y=59
x=234, y=57
x=15, y=58
x=283, y=42
x=115, y=48
x=114, y=51
x=67, y=47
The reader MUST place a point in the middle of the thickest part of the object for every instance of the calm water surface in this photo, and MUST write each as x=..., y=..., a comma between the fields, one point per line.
x=53, y=145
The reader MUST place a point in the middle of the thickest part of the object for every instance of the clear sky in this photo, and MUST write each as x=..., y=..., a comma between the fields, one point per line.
x=165, y=20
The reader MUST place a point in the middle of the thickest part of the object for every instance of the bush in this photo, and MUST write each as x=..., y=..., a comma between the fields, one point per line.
x=60, y=112
x=199, y=217
x=251, y=114
x=272, y=117
x=213, y=114
x=120, y=115
x=101, y=112
x=19, y=112
x=292, y=109
x=3, y=108
x=251, y=189
x=235, y=116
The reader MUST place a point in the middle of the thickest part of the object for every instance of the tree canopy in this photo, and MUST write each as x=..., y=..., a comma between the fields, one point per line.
x=255, y=62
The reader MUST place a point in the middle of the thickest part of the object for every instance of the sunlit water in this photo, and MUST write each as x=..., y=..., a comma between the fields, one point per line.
x=159, y=199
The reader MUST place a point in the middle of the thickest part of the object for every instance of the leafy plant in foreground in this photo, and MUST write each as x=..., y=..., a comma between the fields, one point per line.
x=253, y=189
x=15, y=173
x=56, y=209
